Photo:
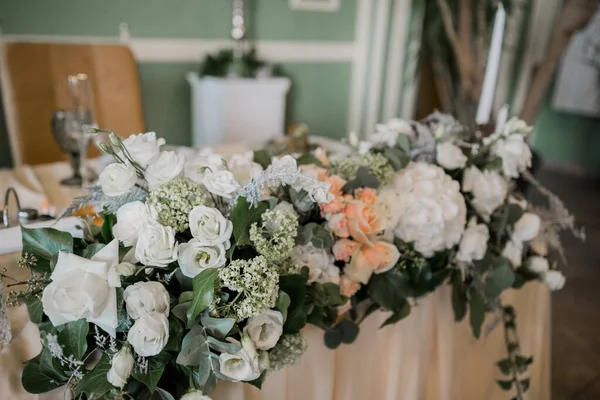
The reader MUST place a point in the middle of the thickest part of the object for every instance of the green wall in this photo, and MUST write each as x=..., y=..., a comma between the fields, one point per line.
x=320, y=91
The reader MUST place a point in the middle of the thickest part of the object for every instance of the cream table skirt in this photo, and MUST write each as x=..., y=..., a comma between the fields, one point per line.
x=427, y=356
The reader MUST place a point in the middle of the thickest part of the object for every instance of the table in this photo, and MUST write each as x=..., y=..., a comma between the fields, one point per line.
x=427, y=356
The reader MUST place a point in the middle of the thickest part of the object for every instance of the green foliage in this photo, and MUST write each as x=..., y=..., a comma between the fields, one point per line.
x=295, y=287
x=500, y=278
x=389, y=289
x=42, y=374
x=161, y=394
x=73, y=338
x=307, y=159
x=44, y=243
x=204, y=291
x=35, y=309
x=364, y=179
x=106, y=229
x=459, y=296
x=316, y=234
x=476, y=311
x=242, y=216
x=505, y=385
x=217, y=327
x=402, y=312
x=156, y=367
x=263, y=158
x=344, y=332
x=301, y=200
x=94, y=383
x=397, y=158
x=283, y=303
x=92, y=249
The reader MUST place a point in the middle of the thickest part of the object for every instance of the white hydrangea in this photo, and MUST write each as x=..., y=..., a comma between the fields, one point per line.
x=320, y=263
x=432, y=210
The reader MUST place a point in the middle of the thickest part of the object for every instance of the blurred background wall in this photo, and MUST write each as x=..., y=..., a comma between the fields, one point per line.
x=323, y=85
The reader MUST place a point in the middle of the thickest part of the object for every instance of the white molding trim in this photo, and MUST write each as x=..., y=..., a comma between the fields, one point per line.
x=397, y=49
x=377, y=66
x=364, y=9
x=315, y=5
x=192, y=50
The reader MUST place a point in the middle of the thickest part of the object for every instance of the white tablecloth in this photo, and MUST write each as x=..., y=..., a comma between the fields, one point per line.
x=425, y=357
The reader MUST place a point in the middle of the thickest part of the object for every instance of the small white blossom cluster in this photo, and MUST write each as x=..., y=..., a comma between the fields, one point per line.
x=276, y=236
x=256, y=280
x=288, y=351
x=174, y=200
x=57, y=352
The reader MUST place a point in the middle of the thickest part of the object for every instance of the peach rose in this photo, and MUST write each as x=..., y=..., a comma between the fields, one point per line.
x=337, y=184
x=368, y=259
x=314, y=171
x=343, y=249
x=348, y=287
x=333, y=207
x=338, y=224
x=366, y=195
x=363, y=220
x=321, y=155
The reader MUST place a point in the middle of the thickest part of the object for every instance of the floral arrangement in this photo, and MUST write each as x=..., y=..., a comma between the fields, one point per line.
x=207, y=268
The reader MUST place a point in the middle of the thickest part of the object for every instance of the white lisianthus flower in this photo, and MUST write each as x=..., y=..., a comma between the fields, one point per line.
x=210, y=227
x=167, y=166
x=121, y=367
x=513, y=251
x=489, y=190
x=243, y=365
x=286, y=207
x=195, y=395
x=146, y=297
x=149, y=334
x=432, y=210
x=80, y=289
x=555, y=280
x=473, y=244
x=449, y=156
x=156, y=245
x=537, y=264
x=130, y=218
x=144, y=148
x=320, y=263
x=265, y=329
x=195, y=257
x=221, y=183
x=243, y=167
x=526, y=228
x=117, y=179
x=515, y=154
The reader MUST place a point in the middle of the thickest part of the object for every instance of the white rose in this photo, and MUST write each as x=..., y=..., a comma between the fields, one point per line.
x=205, y=161
x=130, y=218
x=243, y=365
x=167, y=166
x=117, y=179
x=221, y=183
x=450, y=156
x=156, y=246
x=538, y=264
x=150, y=334
x=195, y=257
x=473, y=244
x=514, y=252
x=515, y=154
x=243, y=167
x=195, y=395
x=431, y=208
x=121, y=366
x=526, y=228
x=80, y=289
x=146, y=297
x=265, y=329
x=488, y=187
x=143, y=148
x=209, y=226
x=516, y=125
x=320, y=263
x=555, y=280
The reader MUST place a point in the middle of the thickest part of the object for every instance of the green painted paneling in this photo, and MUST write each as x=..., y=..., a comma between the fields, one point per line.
x=568, y=139
x=319, y=97
x=207, y=19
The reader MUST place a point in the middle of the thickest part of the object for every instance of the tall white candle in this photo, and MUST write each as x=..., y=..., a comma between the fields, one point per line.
x=501, y=118
x=486, y=99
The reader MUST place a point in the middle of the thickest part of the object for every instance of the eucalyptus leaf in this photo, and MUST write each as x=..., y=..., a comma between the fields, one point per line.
x=204, y=290
x=349, y=331
x=476, y=311
x=217, y=327
x=283, y=302
x=389, y=289
x=44, y=243
x=186, y=297
x=333, y=338
x=301, y=200
x=504, y=366
x=505, y=385
x=180, y=311
x=459, y=296
x=500, y=278
x=403, y=142
x=223, y=347
x=335, y=297
x=366, y=178
x=398, y=315
x=263, y=158
x=161, y=394
x=396, y=158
